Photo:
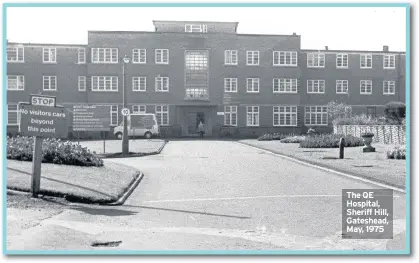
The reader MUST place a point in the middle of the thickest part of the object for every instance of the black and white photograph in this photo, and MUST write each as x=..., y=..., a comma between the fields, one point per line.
x=214, y=130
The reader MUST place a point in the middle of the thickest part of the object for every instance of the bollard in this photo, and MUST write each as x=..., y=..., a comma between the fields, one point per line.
x=341, y=147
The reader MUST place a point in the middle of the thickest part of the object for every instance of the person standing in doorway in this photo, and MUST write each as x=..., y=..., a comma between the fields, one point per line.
x=201, y=129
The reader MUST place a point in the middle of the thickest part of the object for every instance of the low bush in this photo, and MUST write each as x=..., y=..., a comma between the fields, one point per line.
x=395, y=112
x=53, y=151
x=330, y=141
x=398, y=152
x=293, y=139
x=359, y=120
x=273, y=136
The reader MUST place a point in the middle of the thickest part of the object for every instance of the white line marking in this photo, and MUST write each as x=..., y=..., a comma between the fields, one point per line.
x=329, y=170
x=242, y=198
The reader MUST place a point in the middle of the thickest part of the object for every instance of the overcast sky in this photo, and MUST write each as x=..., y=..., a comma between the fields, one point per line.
x=338, y=28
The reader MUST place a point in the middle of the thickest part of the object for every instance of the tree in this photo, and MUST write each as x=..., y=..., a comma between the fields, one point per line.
x=337, y=110
x=395, y=112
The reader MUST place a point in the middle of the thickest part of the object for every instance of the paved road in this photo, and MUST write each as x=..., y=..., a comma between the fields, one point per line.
x=214, y=195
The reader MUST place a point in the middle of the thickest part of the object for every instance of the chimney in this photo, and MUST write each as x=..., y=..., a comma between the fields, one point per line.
x=294, y=34
x=385, y=48
x=326, y=48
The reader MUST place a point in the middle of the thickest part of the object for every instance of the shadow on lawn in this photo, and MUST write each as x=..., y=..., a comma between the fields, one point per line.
x=104, y=211
x=58, y=181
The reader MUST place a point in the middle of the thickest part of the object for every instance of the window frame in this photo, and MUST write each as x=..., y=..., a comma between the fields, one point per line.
x=317, y=55
x=393, y=84
x=49, y=83
x=342, y=81
x=278, y=55
x=138, y=52
x=232, y=110
x=113, y=59
x=232, y=54
x=314, y=81
x=157, y=79
x=253, y=81
x=360, y=86
x=390, y=58
x=79, y=61
x=230, y=90
x=322, y=113
x=277, y=114
x=367, y=57
x=252, y=113
x=139, y=106
x=162, y=61
x=286, y=81
x=16, y=50
x=162, y=112
x=112, y=110
x=13, y=111
x=49, y=49
x=342, y=55
x=113, y=79
x=139, y=79
x=252, y=53
x=17, y=81
x=82, y=79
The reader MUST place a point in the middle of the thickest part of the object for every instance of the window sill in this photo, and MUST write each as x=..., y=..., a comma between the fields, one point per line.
x=284, y=92
x=17, y=62
x=285, y=66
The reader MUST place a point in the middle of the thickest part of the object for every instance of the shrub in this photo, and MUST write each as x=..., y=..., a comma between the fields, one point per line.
x=293, y=139
x=398, y=152
x=395, y=112
x=273, y=136
x=359, y=120
x=330, y=141
x=337, y=110
x=53, y=151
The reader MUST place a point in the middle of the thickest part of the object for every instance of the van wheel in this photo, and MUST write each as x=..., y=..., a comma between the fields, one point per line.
x=119, y=135
x=147, y=135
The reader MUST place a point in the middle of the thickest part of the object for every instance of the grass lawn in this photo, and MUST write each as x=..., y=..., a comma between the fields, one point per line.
x=83, y=184
x=114, y=146
x=374, y=166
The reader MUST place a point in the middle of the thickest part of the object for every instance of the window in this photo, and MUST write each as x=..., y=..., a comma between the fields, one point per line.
x=316, y=60
x=114, y=115
x=230, y=84
x=342, y=60
x=196, y=74
x=285, y=58
x=139, y=83
x=15, y=82
x=284, y=85
x=196, y=28
x=316, y=115
x=389, y=61
x=13, y=114
x=49, y=83
x=139, y=56
x=342, y=86
x=104, y=83
x=196, y=60
x=230, y=115
x=162, y=84
x=366, y=87
x=252, y=58
x=389, y=87
x=315, y=86
x=285, y=116
x=252, y=115
x=230, y=57
x=366, y=61
x=82, y=83
x=15, y=54
x=81, y=55
x=252, y=85
x=162, y=56
x=162, y=115
x=49, y=55
x=139, y=109
x=104, y=55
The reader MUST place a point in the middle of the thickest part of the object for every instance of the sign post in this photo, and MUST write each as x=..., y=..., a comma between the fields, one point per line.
x=41, y=118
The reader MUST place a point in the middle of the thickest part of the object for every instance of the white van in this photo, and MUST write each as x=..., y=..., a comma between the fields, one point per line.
x=139, y=124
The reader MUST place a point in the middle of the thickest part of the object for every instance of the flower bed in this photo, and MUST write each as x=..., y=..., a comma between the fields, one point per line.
x=330, y=141
x=398, y=152
x=293, y=139
x=53, y=151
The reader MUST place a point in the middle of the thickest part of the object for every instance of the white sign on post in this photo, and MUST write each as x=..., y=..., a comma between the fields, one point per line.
x=42, y=100
x=125, y=112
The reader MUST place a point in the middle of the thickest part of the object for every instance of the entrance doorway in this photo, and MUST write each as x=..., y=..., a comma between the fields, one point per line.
x=193, y=121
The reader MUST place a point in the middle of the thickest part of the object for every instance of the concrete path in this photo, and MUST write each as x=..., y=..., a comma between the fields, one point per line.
x=213, y=195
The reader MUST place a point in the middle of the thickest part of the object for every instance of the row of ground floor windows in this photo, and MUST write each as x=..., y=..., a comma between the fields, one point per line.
x=282, y=115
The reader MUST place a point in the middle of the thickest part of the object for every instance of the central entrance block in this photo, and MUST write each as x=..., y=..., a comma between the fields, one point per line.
x=190, y=116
